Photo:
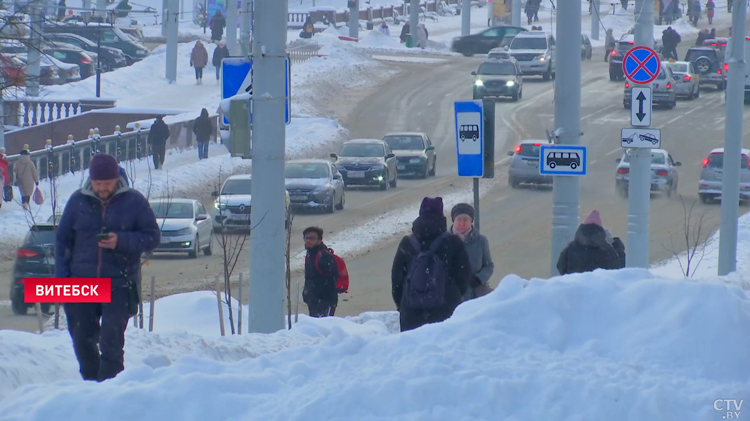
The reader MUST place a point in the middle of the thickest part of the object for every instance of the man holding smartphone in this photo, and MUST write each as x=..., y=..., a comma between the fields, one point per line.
x=105, y=228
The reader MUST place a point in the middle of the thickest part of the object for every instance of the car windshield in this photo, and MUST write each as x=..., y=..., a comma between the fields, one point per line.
x=404, y=142
x=306, y=171
x=693, y=55
x=716, y=160
x=506, y=68
x=362, y=150
x=237, y=187
x=166, y=210
x=530, y=149
x=524, y=43
x=39, y=235
x=678, y=67
x=656, y=158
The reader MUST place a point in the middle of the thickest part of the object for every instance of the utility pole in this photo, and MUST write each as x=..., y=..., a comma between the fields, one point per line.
x=565, y=190
x=354, y=18
x=98, y=62
x=267, y=239
x=414, y=21
x=490, y=11
x=172, y=21
x=730, y=184
x=246, y=15
x=2, y=121
x=516, y=13
x=165, y=17
x=33, y=69
x=595, y=9
x=465, y=16
x=231, y=19
x=639, y=184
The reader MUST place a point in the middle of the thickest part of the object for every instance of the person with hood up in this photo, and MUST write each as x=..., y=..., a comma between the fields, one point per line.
x=103, y=232
x=198, y=60
x=422, y=35
x=477, y=247
x=609, y=44
x=405, y=32
x=308, y=29
x=589, y=250
x=27, y=177
x=157, y=138
x=202, y=128
x=321, y=273
x=618, y=245
x=220, y=53
x=217, y=25
x=703, y=35
x=384, y=29
x=431, y=270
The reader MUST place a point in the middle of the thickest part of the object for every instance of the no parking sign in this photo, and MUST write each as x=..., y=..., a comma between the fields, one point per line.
x=641, y=65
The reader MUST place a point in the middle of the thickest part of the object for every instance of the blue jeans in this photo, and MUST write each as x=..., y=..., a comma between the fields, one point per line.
x=202, y=150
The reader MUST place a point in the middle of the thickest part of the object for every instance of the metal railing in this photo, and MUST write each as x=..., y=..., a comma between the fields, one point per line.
x=28, y=112
x=303, y=52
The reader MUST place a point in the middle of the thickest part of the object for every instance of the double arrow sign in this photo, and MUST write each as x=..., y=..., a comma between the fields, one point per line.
x=640, y=109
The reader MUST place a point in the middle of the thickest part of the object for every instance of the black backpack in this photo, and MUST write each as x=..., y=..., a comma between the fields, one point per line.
x=425, y=282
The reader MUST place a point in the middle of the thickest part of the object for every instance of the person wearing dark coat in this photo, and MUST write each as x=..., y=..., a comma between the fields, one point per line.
x=321, y=274
x=202, y=128
x=430, y=225
x=308, y=29
x=220, y=53
x=157, y=138
x=217, y=25
x=477, y=247
x=589, y=250
x=105, y=205
x=405, y=33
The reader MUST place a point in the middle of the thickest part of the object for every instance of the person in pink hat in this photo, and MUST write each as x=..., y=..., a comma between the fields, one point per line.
x=589, y=249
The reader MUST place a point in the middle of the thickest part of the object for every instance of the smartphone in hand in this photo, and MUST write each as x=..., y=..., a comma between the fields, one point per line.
x=102, y=236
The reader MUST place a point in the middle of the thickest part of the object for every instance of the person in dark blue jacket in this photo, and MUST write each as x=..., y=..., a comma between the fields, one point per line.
x=105, y=205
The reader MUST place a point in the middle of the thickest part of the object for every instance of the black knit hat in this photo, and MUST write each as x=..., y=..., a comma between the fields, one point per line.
x=462, y=209
x=104, y=167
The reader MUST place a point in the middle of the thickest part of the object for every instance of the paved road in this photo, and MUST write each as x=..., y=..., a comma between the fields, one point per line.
x=516, y=221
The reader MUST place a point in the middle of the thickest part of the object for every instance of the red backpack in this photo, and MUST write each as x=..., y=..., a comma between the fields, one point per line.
x=342, y=283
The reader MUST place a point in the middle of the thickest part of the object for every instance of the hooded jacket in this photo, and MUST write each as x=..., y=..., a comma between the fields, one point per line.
x=26, y=174
x=159, y=133
x=202, y=127
x=588, y=251
x=457, y=266
x=127, y=213
x=478, y=250
x=220, y=53
x=199, y=56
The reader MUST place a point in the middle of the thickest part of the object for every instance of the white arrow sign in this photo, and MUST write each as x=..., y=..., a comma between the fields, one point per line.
x=640, y=107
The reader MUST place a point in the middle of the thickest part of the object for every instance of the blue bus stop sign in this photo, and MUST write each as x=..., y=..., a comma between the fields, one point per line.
x=641, y=65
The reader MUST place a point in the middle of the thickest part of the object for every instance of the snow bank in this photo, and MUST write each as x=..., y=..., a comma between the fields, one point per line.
x=623, y=345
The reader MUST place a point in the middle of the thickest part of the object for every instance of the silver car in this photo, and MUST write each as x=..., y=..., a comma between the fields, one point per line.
x=535, y=53
x=663, y=90
x=185, y=226
x=524, y=164
x=314, y=183
x=415, y=153
x=233, y=203
x=709, y=187
x=687, y=83
x=664, y=176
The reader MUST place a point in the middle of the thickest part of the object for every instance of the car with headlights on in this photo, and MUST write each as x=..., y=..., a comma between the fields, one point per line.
x=233, y=203
x=688, y=80
x=664, y=176
x=663, y=91
x=498, y=78
x=185, y=226
x=415, y=153
x=367, y=162
x=535, y=53
x=314, y=183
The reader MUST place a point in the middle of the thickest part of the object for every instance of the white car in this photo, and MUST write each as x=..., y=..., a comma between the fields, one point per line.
x=233, y=203
x=185, y=226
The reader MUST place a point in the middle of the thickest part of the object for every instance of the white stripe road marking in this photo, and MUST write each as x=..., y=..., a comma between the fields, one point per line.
x=613, y=151
x=501, y=198
x=592, y=162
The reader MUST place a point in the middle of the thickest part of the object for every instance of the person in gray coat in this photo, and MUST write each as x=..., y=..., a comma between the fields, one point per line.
x=477, y=247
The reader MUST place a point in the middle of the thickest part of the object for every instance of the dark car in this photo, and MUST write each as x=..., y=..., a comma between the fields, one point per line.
x=35, y=258
x=617, y=55
x=483, y=42
x=111, y=36
x=13, y=70
x=708, y=62
x=415, y=153
x=496, y=78
x=314, y=183
x=110, y=58
x=367, y=162
x=73, y=55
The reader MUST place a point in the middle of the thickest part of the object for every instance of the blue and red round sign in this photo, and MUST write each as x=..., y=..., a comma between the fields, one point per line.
x=641, y=65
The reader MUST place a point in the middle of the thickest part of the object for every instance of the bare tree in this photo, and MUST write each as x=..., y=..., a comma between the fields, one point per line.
x=695, y=239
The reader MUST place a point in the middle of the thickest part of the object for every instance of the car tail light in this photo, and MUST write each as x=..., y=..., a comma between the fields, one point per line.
x=537, y=144
x=614, y=52
x=748, y=38
x=518, y=149
x=627, y=85
x=622, y=171
x=86, y=61
x=669, y=86
x=661, y=173
x=25, y=254
x=705, y=162
x=713, y=44
x=631, y=42
x=726, y=66
x=686, y=78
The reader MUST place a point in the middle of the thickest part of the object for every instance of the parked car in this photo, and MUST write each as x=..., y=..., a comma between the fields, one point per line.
x=498, y=78
x=663, y=89
x=415, y=153
x=688, y=80
x=482, y=42
x=709, y=63
x=709, y=186
x=86, y=62
x=185, y=226
x=35, y=258
x=524, y=164
x=367, y=162
x=49, y=73
x=664, y=176
x=535, y=53
x=233, y=203
x=13, y=70
x=314, y=183
x=111, y=36
x=111, y=58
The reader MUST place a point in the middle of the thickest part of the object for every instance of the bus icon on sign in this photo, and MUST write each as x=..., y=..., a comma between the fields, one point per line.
x=563, y=159
x=468, y=131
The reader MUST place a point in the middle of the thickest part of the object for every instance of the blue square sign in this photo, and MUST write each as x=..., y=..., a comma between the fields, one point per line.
x=469, y=138
x=236, y=78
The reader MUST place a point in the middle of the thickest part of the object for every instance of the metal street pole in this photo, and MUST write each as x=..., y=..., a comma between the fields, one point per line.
x=516, y=13
x=354, y=19
x=565, y=191
x=491, y=11
x=414, y=21
x=98, y=62
x=465, y=17
x=730, y=185
x=476, y=203
x=164, y=17
x=33, y=69
x=172, y=22
x=639, y=185
x=246, y=16
x=2, y=121
x=595, y=9
x=231, y=19
x=267, y=239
